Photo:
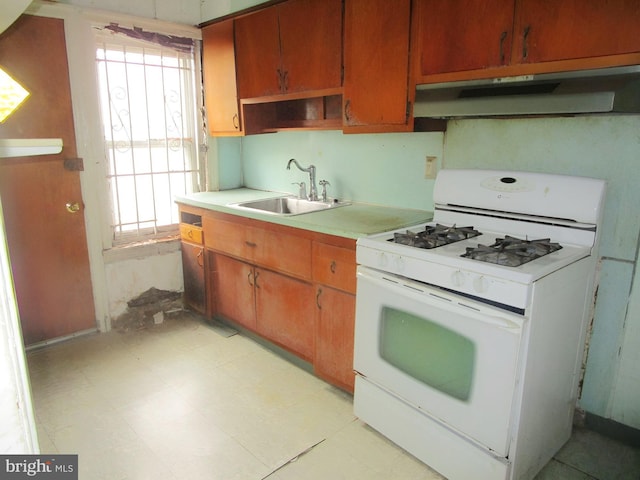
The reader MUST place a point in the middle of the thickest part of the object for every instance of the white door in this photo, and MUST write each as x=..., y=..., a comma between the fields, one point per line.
x=455, y=359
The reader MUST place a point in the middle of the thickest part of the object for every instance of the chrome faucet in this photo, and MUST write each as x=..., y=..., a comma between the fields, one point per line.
x=311, y=169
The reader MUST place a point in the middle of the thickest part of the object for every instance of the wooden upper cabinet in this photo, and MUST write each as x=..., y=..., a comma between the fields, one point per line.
x=459, y=35
x=466, y=39
x=376, y=65
x=288, y=48
x=258, y=54
x=311, y=44
x=219, y=72
x=551, y=30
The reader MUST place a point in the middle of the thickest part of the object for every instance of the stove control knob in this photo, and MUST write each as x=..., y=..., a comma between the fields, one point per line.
x=457, y=278
x=480, y=284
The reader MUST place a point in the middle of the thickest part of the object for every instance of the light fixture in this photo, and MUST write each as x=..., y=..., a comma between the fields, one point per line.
x=12, y=95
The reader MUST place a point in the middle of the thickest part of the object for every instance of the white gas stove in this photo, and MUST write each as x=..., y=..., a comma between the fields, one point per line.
x=473, y=348
x=527, y=206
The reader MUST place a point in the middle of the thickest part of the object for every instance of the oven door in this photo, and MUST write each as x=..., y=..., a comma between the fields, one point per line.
x=453, y=358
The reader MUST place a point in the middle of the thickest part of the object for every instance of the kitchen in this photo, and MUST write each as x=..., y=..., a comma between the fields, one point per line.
x=365, y=168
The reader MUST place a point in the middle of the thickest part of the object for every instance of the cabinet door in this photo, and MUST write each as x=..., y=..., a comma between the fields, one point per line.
x=219, y=71
x=334, y=337
x=459, y=35
x=311, y=44
x=548, y=30
x=285, y=312
x=258, y=54
x=376, y=63
x=233, y=286
x=194, y=277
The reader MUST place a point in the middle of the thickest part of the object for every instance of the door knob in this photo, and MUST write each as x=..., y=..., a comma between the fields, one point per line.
x=72, y=207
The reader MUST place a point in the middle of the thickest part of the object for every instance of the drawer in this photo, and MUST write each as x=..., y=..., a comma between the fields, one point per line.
x=191, y=233
x=232, y=238
x=334, y=266
x=286, y=253
x=282, y=252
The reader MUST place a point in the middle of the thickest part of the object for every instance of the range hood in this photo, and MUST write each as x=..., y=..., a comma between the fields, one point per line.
x=615, y=89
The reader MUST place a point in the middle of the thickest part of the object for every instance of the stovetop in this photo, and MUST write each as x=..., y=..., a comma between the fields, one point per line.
x=456, y=255
x=512, y=251
x=434, y=236
x=508, y=251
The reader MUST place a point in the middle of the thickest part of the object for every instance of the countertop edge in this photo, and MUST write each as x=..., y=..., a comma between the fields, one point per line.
x=330, y=221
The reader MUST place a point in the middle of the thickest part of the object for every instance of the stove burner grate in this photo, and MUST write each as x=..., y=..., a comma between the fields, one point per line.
x=511, y=251
x=434, y=236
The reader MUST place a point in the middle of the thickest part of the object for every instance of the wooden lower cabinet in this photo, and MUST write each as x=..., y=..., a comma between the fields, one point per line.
x=333, y=360
x=275, y=306
x=285, y=312
x=232, y=284
x=195, y=296
x=293, y=287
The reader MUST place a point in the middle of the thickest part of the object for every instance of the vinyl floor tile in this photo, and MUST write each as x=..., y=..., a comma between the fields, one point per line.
x=179, y=400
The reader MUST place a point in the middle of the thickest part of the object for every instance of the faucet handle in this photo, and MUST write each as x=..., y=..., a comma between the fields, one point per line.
x=302, y=192
x=323, y=184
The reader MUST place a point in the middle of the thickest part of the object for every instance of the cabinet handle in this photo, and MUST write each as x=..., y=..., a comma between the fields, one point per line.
x=503, y=37
x=525, y=37
x=280, y=81
x=333, y=266
x=255, y=279
x=285, y=81
x=236, y=123
x=318, y=293
x=250, y=277
x=199, y=257
x=347, y=109
x=250, y=244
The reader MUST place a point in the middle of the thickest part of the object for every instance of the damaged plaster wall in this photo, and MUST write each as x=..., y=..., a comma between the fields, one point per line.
x=127, y=279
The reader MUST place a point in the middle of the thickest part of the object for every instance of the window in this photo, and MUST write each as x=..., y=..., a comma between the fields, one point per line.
x=428, y=352
x=148, y=99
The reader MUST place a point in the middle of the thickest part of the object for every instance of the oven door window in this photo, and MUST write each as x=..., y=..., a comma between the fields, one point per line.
x=428, y=352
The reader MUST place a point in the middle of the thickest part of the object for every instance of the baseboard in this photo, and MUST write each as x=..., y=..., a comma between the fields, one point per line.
x=612, y=429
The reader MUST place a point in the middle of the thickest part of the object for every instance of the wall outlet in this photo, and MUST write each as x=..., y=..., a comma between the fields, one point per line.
x=430, y=167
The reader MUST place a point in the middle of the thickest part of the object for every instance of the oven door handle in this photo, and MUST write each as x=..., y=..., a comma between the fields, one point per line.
x=501, y=322
x=495, y=320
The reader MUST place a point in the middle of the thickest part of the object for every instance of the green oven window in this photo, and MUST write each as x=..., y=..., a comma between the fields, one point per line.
x=428, y=352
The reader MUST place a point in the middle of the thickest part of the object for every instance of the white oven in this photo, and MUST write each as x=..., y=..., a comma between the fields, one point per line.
x=470, y=330
x=440, y=352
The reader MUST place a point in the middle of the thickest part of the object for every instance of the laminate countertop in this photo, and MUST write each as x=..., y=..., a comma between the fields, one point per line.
x=352, y=221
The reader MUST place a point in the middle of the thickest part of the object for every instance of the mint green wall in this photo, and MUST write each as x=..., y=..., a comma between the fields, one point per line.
x=210, y=9
x=385, y=169
x=389, y=169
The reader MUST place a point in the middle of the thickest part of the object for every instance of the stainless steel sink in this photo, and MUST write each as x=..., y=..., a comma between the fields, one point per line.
x=286, y=205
